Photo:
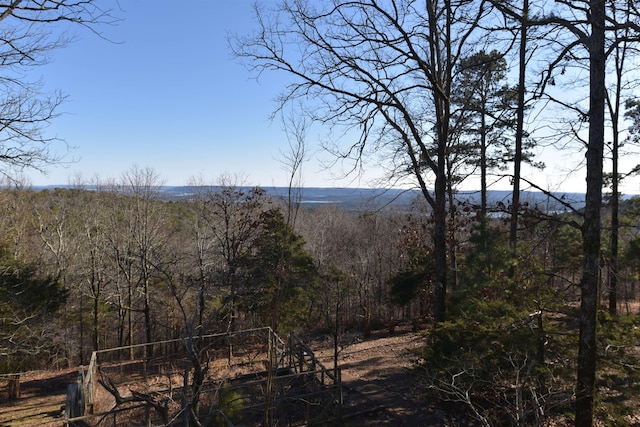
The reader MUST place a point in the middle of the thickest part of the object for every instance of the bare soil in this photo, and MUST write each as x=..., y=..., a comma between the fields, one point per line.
x=379, y=387
x=42, y=399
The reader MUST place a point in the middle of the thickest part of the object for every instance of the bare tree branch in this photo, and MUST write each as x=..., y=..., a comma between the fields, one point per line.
x=31, y=30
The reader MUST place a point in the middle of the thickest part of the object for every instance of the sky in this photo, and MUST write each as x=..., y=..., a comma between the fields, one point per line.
x=164, y=92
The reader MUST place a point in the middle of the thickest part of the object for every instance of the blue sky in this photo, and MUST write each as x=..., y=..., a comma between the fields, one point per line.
x=166, y=93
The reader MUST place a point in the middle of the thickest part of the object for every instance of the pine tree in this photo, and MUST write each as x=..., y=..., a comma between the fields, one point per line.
x=281, y=274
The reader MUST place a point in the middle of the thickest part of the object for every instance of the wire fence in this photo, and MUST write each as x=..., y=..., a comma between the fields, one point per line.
x=249, y=376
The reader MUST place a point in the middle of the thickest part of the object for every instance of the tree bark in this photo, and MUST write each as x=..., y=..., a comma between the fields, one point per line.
x=614, y=111
x=440, y=240
x=615, y=226
x=441, y=57
x=517, y=159
x=452, y=246
x=483, y=160
x=592, y=222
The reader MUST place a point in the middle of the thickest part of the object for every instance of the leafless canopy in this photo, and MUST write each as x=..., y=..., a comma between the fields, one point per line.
x=369, y=66
x=30, y=31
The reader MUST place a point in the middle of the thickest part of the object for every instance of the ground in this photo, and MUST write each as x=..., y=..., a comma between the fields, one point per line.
x=42, y=400
x=378, y=385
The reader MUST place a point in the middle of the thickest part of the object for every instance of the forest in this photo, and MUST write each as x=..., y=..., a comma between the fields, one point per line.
x=114, y=264
x=528, y=314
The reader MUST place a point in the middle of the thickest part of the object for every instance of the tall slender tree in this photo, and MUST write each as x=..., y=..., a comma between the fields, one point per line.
x=145, y=220
x=519, y=136
x=621, y=53
x=589, y=34
x=585, y=24
x=479, y=97
x=575, y=26
x=591, y=228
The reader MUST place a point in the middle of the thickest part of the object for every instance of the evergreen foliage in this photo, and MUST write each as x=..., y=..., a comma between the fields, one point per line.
x=281, y=275
x=229, y=408
x=493, y=358
x=619, y=373
x=487, y=261
x=27, y=303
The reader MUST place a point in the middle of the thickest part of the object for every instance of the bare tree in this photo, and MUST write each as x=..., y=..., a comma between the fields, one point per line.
x=31, y=30
x=227, y=216
x=30, y=292
x=135, y=235
x=331, y=237
x=119, y=249
x=382, y=70
x=517, y=159
x=295, y=128
x=202, y=249
x=92, y=270
x=146, y=221
x=622, y=54
x=586, y=24
x=55, y=223
x=15, y=218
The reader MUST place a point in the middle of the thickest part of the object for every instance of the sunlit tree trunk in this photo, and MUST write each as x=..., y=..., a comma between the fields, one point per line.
x=587, y=346
x=517, y=159
x=614, y=104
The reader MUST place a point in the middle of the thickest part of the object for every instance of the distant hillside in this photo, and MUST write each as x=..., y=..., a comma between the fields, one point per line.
x=361, y=199
x=345, y=198
x=374, y=199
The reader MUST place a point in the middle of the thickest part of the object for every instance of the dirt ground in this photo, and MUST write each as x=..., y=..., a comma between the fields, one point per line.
x=379, y=388
x=42, y=399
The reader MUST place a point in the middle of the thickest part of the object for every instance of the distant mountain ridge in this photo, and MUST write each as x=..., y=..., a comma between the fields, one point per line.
x=362, y=199
x=375, y=199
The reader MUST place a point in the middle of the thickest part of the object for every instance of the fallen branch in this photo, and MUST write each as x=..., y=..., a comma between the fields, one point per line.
x=160, y=406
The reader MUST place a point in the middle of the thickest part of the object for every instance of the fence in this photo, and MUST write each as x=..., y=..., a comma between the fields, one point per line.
x=81, y=395
x=247, y=375
x=13, y=385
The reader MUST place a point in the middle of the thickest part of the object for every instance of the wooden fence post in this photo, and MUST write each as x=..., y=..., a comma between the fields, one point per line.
x=14, y=386
x=74, y=406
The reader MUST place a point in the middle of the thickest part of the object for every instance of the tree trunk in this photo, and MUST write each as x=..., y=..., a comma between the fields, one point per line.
x=147, y=321
x=483, y=163
x=615, y=225
x=614, y=109
x=517, y=158
x=443, y=114
x=130, y=321
x=592, y=222
x=453, y=256
x=96, y=331
x=440, y=238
